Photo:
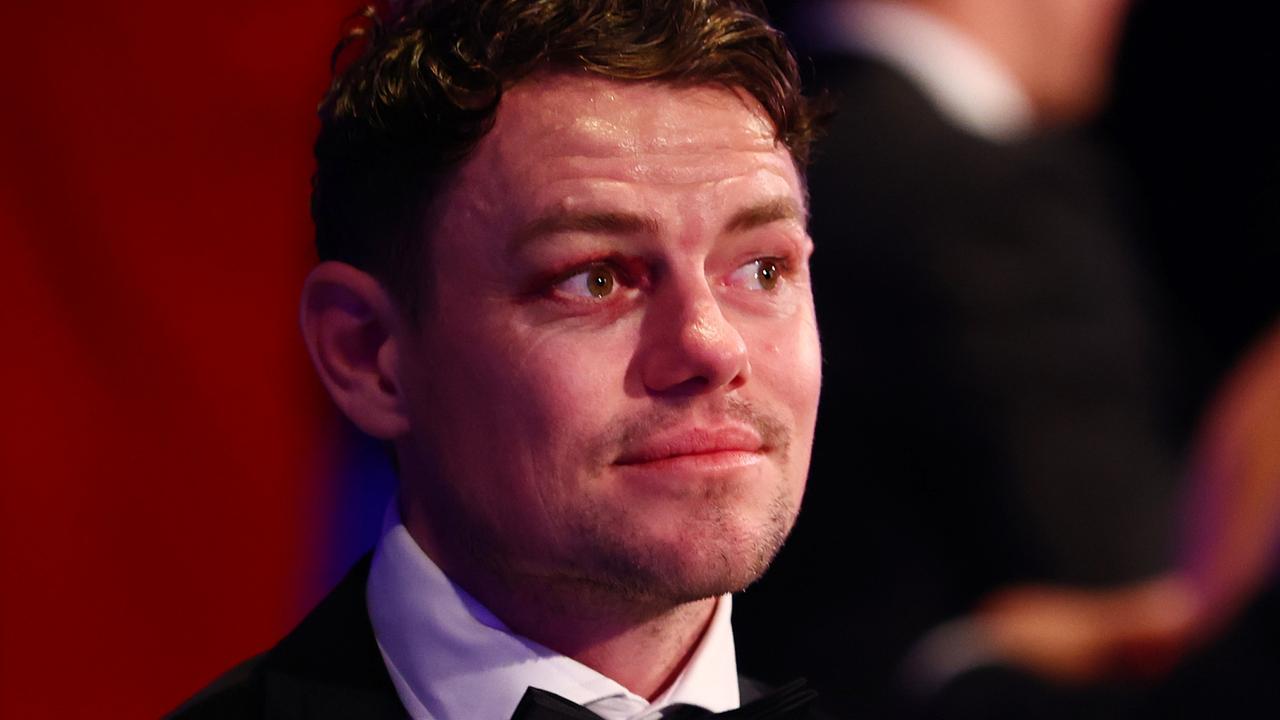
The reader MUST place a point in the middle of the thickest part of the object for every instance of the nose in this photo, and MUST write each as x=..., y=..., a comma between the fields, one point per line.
x=689, y=346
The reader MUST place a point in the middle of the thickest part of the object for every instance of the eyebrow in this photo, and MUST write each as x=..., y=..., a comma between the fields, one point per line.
x=626, y=223
x=601, y=223
x=769, y=211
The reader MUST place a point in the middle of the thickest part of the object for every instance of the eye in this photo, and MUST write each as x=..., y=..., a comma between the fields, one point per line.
x=759, y=274
x=596, y=281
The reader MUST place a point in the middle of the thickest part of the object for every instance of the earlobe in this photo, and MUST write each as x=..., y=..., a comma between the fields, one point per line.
x=351, y=327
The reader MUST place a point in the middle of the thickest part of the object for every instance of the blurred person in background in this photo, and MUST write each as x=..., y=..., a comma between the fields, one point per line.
x=991, y=461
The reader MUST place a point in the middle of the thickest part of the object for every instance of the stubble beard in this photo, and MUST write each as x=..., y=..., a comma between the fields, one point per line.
x=726, y=541
x=612, y=562
x=721, y=552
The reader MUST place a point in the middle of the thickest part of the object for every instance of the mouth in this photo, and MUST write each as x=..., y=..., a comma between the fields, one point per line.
x=696, y=448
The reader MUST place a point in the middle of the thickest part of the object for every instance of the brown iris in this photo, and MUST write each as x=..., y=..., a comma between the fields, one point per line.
x=767, y=274
x=599, y=281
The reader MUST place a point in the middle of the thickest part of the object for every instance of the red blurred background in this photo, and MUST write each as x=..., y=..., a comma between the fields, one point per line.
x=153, y=217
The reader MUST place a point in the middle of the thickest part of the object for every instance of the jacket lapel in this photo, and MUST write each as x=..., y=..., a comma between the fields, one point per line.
x=330, y=665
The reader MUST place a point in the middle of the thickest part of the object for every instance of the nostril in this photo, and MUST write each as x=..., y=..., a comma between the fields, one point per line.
x=696, y=362
x=692, y=386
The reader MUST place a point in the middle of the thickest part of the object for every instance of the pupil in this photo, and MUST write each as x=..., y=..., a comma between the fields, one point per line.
x=601, y=283
x=767, y=275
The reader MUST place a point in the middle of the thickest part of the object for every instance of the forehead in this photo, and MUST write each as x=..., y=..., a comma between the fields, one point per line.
x=555, y=125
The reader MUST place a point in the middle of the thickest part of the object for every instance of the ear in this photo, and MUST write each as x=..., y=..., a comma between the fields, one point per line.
x=353, y=332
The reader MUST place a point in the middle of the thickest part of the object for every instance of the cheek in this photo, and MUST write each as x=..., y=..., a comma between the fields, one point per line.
x=787, y=356
x=484, y=401
x=511, y=424
x=569, y=383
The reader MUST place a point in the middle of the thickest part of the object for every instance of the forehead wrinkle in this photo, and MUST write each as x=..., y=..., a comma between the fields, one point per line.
x=596, y=137
x=610, y=122
x=704, y=167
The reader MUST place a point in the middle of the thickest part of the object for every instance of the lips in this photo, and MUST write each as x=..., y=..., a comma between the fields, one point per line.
x=693, y=443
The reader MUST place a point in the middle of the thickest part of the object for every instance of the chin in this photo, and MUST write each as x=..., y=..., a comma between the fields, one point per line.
x=724, y=573
x=693, y=559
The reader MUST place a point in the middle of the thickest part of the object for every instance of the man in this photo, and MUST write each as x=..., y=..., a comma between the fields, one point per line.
x=990, y=349
x=565, y=278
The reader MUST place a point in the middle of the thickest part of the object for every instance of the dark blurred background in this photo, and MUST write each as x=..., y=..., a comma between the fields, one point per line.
x=1191, y=120
x=1044, y=480
x=164, y=444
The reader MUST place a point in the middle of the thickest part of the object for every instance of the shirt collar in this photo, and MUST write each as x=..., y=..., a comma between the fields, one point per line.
x=965, y=82
x=450, y=658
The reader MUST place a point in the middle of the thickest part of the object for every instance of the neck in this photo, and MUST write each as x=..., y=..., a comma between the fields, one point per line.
x=642, y=643
x=643, y=652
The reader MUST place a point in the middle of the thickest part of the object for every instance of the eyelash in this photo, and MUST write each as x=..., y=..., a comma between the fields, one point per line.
x=617, y=277
x=625, y=276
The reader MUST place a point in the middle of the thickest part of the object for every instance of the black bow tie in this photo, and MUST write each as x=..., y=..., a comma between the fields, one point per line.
x=789, y=701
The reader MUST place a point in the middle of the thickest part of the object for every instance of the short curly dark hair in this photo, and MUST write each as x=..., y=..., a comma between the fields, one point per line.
x=427, y=78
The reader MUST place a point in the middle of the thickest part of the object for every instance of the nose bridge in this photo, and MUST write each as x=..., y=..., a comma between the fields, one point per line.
x=693, y=344
x=702, y=321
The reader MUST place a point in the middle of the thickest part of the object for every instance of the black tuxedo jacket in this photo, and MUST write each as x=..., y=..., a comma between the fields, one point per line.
x=328, y=668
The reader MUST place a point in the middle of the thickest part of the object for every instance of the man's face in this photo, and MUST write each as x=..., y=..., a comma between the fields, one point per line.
x=616, y=380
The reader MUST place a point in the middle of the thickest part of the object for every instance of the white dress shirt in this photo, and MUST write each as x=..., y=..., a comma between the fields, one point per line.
x=451, y=659
x=965, y=82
